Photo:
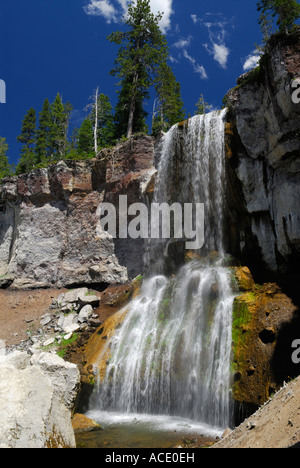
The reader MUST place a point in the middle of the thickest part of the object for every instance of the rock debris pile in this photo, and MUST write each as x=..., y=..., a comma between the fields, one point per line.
x=71, y=313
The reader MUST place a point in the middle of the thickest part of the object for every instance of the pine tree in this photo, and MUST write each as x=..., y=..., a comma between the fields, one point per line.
x=122, y=112
x=72, y=152
x=5, y=168
x=142, y=49
x=170, y=105
x=286, y=11
x=85, y=146
x=106, y=127
x=102, y=119
x=43, y=141
x=28, y=139
x=202, y=106
x=60, y=116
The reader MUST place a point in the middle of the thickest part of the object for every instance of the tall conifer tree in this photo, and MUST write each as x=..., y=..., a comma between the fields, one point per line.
x=5, y=167
x=28, y=140
x=143, y=48
x=43, y=140
x=170, y=106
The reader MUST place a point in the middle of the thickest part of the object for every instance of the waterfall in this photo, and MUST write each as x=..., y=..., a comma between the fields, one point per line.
x=171, y=355
x=191, y=168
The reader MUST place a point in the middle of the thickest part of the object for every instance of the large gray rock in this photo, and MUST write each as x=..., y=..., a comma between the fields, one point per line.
x=35, y=398
x=50, y=231
x=264, y=162
x=65, y=376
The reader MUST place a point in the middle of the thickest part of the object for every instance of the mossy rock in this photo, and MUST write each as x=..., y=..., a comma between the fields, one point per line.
x=244, y=279
x=259, y=316
x=81, y=424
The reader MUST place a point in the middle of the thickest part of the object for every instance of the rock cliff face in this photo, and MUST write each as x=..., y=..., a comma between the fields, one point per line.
x=263, y=163
x=50, y=233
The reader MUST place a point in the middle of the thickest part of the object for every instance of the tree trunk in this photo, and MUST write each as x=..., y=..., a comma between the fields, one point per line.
x=96, y=122
x=132, y=106
x=131, y=117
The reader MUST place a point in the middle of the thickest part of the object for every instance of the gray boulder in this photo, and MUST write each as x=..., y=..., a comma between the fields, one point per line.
x=35, y=399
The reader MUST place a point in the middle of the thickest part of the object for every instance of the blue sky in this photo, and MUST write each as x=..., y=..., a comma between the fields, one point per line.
x=51, y=46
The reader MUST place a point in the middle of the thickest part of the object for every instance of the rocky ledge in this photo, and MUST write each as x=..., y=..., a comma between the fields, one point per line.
x=50, y=232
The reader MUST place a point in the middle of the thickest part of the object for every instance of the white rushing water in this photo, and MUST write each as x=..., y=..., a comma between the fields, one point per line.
x=171, y=356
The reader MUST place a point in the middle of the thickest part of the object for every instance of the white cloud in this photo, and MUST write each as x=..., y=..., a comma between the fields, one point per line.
x=113, y=10
x=173, y=59
x=197, y=68
x=217, y=36
x=251, y=61
x=102, y=8
x=165, y=7
x=221, y=53
x=194, y=19
x=183, y=43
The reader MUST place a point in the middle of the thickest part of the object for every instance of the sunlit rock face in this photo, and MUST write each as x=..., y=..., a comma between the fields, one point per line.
x=50, y=232
x=263, y=149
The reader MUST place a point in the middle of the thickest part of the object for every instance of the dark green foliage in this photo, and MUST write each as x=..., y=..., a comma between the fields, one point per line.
x=43, y=142
x=105, y=121
x=49, y=142
x=122, y=112
x=286, y=12
x=28, y=140
x=85, y=145
x=142, y=50
x=202, y=106
x=60, y=116
x=5, y=168
x=170, y=105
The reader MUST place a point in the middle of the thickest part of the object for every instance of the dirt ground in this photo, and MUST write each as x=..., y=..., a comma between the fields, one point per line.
x=274, y=425
x=21, y=311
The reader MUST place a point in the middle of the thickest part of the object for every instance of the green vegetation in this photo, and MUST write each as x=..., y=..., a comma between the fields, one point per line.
x=63, y=347
x=202, y=106
x=286, y=12
x=28, y=140
x=241, y=327
x=141, y=63
x=168, y=105
x=6, y=169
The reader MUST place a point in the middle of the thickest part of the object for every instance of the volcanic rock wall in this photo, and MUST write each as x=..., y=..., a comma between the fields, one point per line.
x=50, y=233
x=263, y=153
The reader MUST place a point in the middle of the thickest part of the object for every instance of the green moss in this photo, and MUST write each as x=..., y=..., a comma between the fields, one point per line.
x=241, y=318
x=242, y=330
x=65, y=344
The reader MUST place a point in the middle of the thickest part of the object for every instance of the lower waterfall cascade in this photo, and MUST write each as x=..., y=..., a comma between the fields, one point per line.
x=172, y=353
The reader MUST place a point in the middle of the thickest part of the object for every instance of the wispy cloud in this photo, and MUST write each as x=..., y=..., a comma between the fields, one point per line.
x=216, y=45
x=252, y=60
x=113, y=10
x=199, y=69
x=182, y=45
